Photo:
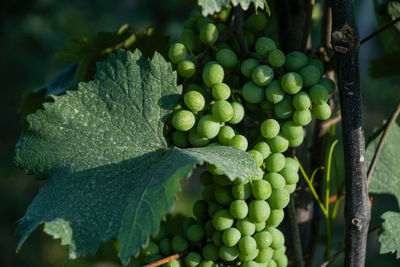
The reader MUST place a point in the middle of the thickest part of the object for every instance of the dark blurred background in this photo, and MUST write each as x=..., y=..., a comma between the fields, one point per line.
x=33, y=31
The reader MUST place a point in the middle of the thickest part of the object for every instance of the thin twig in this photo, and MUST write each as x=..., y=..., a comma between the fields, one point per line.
x=298, y=254
x=378, y=150
x=328, y=123
x=167, y=259
x=372, y=35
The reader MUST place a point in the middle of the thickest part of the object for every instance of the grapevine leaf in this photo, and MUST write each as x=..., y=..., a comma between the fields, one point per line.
x=389, y=238
x=394, y=12
x=210, y=7
x=111, y=174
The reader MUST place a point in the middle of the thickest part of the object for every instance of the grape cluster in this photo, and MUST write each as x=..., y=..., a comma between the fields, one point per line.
x=259, y=104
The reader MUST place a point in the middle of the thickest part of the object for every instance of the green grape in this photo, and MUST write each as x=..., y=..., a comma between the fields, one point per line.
x=196, y=140
x=239, y=141
x=259, y=175
x=206, y=178
x=221, y=27
x=264, y=255
x=292, y=130
x=275, y=162
x=151, y=249
x=223, y=195
x=231, y=237
x=321, y=112
x=165, y=247
x=278, y=239
x=263, y=239
x=226, y=58
x=213, y=169
x=262, y=75
x=245, y=257
x=238, y=209
x=302, y=117
x=222, y=111
x=221, y=91
x=292, y=83
x=274, y=92
x=276, y=217
x=209, y=228
x=264, y=45
x=261, y=189
x=328, y=83
x=217, y=238
x=295, y=61
x=317, y=63
x=292, y=164
x=241, y=191
x=223, y=15
x=256, y=22
x=301, y=101
x=257, y=157
x=248, y=66
x=187, y=223
x=266, y=105
x=279, y=252
x=260, y=226
x=290, y=188
x=173, y=263
x=177, y=53
x=228, y=253
x=238, y=113
x=296, y=142
x=270, y=128
x=276, y=58
x=249, y=37
x=213, y=73
x=202, y=21
x=247, y=244
x=208, y=126
x=222, y=220
x=209, y=33
x=278, y=144
x=291, y=175
x=195, y=233
x=284, y=109
x=179, y=244
x=192, y=259
x=207, y=263
x=319, y=94
x=183, y=120
x=275, y=179
x=221, y=180
x=194, y=101
x=180, y=139
x=226, y=133
x=279, y=199
x=245, y=226
x=200, y=210
x=282, y=261
x=259, y=210
x=191, y=41
x=250, y=264
x=252, y=93
x=213, y=208
x=186, y=68
x=210, y=252
x=263, y=148
x=272, y=263
x=161, y=234
x=310, y=75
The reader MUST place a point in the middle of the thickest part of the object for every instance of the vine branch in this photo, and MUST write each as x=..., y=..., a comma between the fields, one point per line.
x=167, y=259
x=372, y=35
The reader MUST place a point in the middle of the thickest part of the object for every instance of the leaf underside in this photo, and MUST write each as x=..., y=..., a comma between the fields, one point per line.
x=210, y=7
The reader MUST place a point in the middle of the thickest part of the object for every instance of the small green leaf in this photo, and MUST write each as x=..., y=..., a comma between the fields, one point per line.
x=210, y=7
x=111, y=174
x=389, y=238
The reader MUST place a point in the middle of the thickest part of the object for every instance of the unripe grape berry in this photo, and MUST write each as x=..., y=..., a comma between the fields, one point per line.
x=195, y=233
x=241, y=191
x=250, y=264
x=257, y=157
x=284, y=109
x=275, y=162
x=228, y=253
x=207, y=263
x=245, y=226
x=264, y=256
x=262, y=75
x=301, y=101
x=202, y=21
x=264, y=45
x=296, y=142
x=190, y=40
x=282, y=261
x=328, y=83
x=173, y=263
x=279, y=199
x=213, y=73
x=179, y=244
x=263, y=239
x=247, y=244
x=260, y=226
x=274, y=92
x=222, y=220
x=322, y=112
x=226, y=133
x=221, y=180
x=231, y=237
x=186, y=68
x=249, y=37
x=238, y=113
x=263, y=148
x=256, y=22
x=206, y=178
x=270, y=128
x=210, y=252
x=295, y=61
x=213, y=208
x=217, y=238
x=208, y=126
x=310, y=75
x=319, y=94
x=278, y=239
x=276, y=58
x=223, y=195
x=291, y=175
x=259, y=210
x=276, y=180
x=177, y=53
x=226, y=58
x=151, y=249
x=239, y=141
x=290, y=188
x=252, y=93
x=180, y=139
x=209, y=33
x=278, y=144
x=165, y=247
x=222, y=111
x=200, y=210
x=261, y=189
x=209, y=228
x=292, y=130
x=246, y=257
x=248, y=66
x=292, y=83
x=279, y=252
x=192, y=259
x=194, y=101
x=292, y=164
x=187, y=222
x=238, y=209
x=317, y=63
x=183, y=120
x=196, y=140
x=221, y=91
x=276, y=217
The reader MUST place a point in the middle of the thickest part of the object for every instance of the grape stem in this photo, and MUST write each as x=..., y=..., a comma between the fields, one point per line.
x=167, y=259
